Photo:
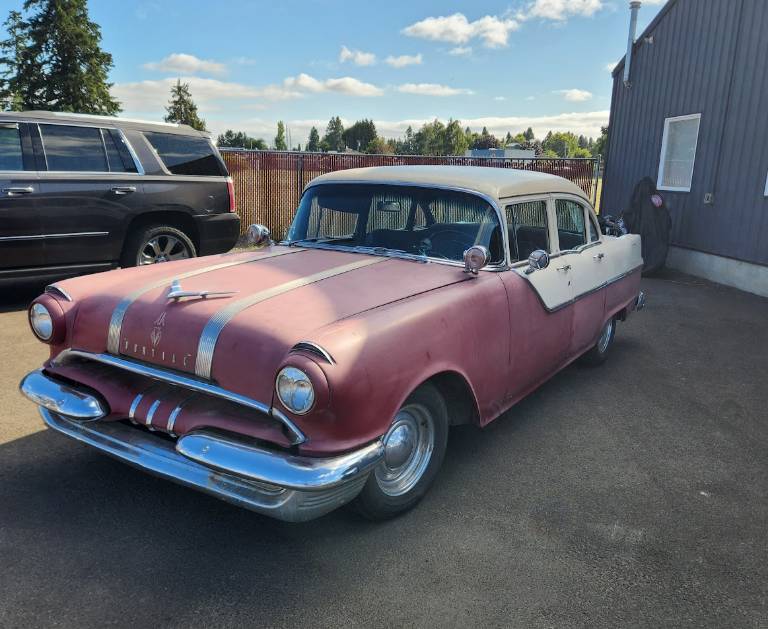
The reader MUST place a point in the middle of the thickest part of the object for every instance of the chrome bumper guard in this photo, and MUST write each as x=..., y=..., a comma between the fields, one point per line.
x=283, y=486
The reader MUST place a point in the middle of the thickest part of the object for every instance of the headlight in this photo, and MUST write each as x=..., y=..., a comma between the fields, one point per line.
x=295, y=390
x=41, y=322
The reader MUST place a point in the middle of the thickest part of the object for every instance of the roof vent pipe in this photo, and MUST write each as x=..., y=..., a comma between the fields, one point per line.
x=634, y=7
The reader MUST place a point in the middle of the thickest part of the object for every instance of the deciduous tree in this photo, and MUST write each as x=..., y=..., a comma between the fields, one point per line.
x=333, y=140
x=239, y=139
x=280, y=143
x=360, y=135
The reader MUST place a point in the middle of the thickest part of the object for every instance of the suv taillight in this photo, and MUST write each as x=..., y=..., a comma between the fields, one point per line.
x=231, y=192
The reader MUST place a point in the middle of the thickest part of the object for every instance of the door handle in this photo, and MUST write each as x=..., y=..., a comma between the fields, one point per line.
x=564, y=268
x=124, y=189
x=21, y=190
x=599, y=256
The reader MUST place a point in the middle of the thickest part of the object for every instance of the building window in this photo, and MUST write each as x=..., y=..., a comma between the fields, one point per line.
x=678, y=152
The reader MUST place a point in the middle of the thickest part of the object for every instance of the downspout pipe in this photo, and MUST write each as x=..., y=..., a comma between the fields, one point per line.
x=634, y=7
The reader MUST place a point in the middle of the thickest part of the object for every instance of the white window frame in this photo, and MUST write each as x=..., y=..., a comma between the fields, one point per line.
x=765, y=192
x=659, y=179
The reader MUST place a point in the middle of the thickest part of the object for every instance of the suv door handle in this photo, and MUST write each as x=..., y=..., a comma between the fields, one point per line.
x=14, y=191
x=124, y=189
x=599, y=256
x=564, y=268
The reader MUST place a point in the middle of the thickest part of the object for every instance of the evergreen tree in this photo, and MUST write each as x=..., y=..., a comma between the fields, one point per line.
x=529, y=134
x=231, y=139
x=182, y=109
x=280, y=143
x=53, y=60
x=313, y=144
x=333, y=140
x=360, y=135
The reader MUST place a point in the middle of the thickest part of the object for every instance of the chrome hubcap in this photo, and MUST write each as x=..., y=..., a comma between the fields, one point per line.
x=162, y=248
x=408, y=447
x=605, y=336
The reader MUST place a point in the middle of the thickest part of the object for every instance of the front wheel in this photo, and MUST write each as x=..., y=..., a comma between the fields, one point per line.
x=598, y=354
x=157, y=243
x=414, y=449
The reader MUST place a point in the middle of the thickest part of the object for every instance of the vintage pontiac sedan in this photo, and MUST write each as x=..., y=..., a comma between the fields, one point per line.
x=294, y=378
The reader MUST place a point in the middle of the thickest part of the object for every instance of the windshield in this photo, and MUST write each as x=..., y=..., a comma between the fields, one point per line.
x=403, y=219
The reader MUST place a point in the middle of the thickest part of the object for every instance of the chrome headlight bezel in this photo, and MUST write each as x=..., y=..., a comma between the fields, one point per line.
x=41, y=322
x=295, y=390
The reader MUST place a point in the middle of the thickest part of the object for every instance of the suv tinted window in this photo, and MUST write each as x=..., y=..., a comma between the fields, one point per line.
x=186, y=155
x=118, y=156
x=73, y=148
x=10, y=148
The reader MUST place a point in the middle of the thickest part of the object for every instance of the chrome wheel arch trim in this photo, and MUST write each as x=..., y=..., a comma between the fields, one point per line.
x=297, y=437
x=118, y=314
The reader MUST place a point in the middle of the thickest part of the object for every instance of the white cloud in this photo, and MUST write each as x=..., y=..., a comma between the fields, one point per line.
x=530, y=98
x=404, y=60
x=499, y=98
x=460, y=51
x=344, y=85
x=457, y=29
x=560, y=10
x=574, y=95
x=182, y=63
x=432, y=89
x=358, y=57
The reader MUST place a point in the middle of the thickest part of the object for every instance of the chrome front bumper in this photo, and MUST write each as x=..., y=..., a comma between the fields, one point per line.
x=280, y=485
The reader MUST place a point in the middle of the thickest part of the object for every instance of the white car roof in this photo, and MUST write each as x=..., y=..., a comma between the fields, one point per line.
x=497, y=183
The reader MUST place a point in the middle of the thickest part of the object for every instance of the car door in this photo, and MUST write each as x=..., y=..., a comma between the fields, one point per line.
x=21, y=243
x=87, y=192
x=581, y=260
x=539, y=317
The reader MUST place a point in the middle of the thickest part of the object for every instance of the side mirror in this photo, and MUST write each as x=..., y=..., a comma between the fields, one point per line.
x=258, y=235
x=539, y=259
x=475, y=258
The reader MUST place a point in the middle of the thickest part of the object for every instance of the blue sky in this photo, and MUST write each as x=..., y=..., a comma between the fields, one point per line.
x=503, y=64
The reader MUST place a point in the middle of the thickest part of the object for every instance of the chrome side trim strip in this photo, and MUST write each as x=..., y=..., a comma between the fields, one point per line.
x=217, y=322
x=186, y=382
x=43, y=236
x=54, y=289
x=118, y=315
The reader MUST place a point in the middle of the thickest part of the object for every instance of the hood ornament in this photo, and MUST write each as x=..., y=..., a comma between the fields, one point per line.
x=176, y=292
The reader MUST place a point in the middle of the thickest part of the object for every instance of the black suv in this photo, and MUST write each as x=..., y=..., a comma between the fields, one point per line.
x=87, y=193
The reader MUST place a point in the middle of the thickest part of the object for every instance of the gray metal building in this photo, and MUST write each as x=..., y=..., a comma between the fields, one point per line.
x=693, y=116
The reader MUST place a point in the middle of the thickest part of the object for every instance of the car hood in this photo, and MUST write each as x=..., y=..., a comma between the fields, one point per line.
x=273, y=299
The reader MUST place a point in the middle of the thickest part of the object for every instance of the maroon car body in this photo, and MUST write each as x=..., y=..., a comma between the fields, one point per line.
x=367, y=329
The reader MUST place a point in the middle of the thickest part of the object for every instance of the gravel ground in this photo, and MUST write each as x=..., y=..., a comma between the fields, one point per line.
x=629, y=495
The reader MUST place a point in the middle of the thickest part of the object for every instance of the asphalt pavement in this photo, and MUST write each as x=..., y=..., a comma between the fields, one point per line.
x=633, y=494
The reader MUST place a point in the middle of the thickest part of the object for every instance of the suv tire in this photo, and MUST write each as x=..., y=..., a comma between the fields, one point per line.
x=156, y=243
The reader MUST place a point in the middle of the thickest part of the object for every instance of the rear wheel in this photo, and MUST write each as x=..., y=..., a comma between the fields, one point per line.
x=414, y=449
x=157, y=243
x=598, y=354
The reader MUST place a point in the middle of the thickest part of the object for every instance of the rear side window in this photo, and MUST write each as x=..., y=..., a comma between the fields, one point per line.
x=186, y=155
x=10, y=148
x=73, y=148
x=118, y=155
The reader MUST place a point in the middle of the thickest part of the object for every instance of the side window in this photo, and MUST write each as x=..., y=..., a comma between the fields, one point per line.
x=186, y=154
x=570, y=224
x=527, y=224
x=10, y=148
x=73, y=149
x=118, y=156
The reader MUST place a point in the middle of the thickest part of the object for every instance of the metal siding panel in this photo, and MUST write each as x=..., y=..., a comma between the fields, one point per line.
x=687, y=70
